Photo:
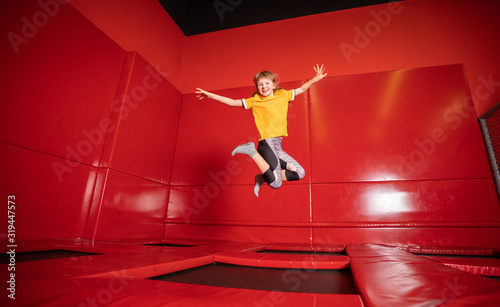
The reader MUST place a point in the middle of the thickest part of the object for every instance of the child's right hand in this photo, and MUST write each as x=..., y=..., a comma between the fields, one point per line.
x=201, y=93
x=320, y=72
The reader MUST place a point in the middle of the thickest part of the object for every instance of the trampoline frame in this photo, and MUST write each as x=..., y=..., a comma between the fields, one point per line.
x=492, y=156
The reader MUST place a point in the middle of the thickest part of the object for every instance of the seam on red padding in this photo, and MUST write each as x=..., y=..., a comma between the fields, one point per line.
x=283, y=260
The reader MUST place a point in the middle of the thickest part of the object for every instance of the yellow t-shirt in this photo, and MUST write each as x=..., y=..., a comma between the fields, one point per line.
x=270, y=112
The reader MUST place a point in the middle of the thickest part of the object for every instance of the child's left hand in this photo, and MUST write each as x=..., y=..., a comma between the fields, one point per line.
x=320, y=72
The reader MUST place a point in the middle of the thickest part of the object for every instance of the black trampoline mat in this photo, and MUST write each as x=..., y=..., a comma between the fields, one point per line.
x=43, y=255
x=268, y=279
x=497, y=278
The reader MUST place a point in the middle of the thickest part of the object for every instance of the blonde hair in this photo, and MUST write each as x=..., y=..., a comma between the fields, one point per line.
x=267, y=75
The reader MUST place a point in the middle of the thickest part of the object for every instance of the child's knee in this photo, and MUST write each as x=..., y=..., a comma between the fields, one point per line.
x=301, y=172
x=295, y=175
x=275, y=184
x=273, y=179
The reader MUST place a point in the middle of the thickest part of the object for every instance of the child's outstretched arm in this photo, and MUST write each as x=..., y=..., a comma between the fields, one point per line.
x=320, y=74
x=230, y=102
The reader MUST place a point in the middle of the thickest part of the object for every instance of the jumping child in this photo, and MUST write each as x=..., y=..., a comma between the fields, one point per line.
x=269, y=105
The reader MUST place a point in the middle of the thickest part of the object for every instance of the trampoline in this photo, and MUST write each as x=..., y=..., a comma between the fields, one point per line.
x=268, y=279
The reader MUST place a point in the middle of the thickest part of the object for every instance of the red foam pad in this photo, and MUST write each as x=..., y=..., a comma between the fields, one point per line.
x=446, y=250
x=478, y=266
x=128, y=290
x=139, y=264
x=307, y=247
x=288, y=261
x=390, y=277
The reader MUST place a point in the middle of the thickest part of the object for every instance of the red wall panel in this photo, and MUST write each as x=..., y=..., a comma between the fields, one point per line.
x=222, y=204
x=458, y=202
x=133, y=186
x=359, y=130
x=45, y=208
x=129, y=208
x=61, y=78
x=141, y=26
x=73, y=95
x=60, y=83
x=351, y=133
x=238, y=233
x=413, y=237
x=413, y=124
x=145, y=117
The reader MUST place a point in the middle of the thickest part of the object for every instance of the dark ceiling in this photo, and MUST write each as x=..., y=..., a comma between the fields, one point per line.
x=202, y=16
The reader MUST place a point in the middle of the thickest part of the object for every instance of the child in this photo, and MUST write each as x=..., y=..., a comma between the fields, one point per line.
x=269, y=105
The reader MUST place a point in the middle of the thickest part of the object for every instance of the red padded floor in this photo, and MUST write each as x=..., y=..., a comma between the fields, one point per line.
x=387, y=276
x=118, y=275
x=477, y=265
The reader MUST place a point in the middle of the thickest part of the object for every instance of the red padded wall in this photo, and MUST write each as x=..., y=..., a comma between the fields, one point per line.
x=210, y=187
x=137, y=161
x=414, y=124
x=49, y=101
x=384, y=153
x=88, y=130
x=45, y=208
x=143, y=26
x=127, y=153
x=60, y=76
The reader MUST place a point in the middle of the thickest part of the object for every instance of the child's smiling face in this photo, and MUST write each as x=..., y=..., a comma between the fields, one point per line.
x=265, y=87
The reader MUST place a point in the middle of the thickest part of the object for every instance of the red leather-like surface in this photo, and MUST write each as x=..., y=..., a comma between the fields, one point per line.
x=128, y=291
x=126, y=23
x=390, y=277
x=60, y=84
x=407, y=202
x=414, y=124
x=286, y=261
x=146, y=115
x=446, y=250
x=324, y=247
x=95, y=144
x=478, y=266
x=117, y=277
x=237, y=232
x=391, y=149
x=134, y=191
x=44, y=207
x=128, y=208
x=439, y=234
x=216, y=204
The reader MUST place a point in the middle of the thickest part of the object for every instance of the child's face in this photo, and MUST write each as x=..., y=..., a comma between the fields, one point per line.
x=265, y=87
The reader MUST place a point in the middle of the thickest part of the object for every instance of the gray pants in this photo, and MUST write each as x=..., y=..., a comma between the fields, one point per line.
x=270, y=149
